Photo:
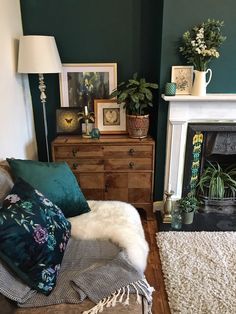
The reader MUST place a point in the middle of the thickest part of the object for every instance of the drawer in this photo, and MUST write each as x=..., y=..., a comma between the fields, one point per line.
x=90, y=181
x=83, y=165
x=140, y=180
x=92, y=185
x=139, y=196
x=128, y=164
x=124, y=151
x=78, y=151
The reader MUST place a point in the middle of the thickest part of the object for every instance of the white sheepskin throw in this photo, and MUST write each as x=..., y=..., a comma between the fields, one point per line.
x=116, y=221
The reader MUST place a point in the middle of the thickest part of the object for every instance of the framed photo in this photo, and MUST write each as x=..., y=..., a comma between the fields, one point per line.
x=110, y=117
x=183, y=77
x=80, y=84
x=67, y=121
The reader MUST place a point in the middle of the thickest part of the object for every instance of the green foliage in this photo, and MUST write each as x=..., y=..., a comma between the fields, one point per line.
x=217, y=180
x=188, y=203
x=201, y=43
x=135, y=94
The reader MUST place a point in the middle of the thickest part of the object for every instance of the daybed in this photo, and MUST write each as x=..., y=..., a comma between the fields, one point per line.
x=104, y=261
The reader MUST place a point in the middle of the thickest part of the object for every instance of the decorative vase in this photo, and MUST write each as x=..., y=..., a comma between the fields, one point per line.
x=200, y=83
x=176, y=218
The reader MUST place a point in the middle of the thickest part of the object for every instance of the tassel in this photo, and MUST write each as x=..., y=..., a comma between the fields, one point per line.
x=127, y=299
x=138, y=298
x=116, y=296
x=113, y=298
x=122, y=295
x=97, y=308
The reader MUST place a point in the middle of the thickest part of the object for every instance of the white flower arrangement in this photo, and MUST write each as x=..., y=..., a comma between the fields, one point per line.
x=201, y=44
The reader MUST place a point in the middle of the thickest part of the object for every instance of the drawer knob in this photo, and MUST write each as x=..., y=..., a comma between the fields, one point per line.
x=75, y=166
x=74, y=151
x=131, y=151
x=131, y=165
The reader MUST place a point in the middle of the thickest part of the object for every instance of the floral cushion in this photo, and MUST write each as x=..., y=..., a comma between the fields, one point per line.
x=33, y=236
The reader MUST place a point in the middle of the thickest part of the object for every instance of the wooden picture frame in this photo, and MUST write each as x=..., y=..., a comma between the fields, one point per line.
x=183, y=77
x=110, y=117
x=80, y=84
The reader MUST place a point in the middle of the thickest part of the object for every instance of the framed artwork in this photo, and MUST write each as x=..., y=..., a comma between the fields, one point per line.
x=80, y=84
x=67, y=121
x=183, y=77
x=110, y=117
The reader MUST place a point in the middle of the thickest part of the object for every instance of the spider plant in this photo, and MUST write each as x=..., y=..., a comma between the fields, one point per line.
x=217, y=181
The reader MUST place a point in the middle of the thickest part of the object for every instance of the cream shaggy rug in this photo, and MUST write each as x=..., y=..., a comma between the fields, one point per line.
x=199, y=271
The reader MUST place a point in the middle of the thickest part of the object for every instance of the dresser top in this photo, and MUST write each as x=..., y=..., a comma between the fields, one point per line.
x=104, y=139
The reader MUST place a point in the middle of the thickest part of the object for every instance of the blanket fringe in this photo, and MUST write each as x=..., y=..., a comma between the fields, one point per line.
x=118, y=296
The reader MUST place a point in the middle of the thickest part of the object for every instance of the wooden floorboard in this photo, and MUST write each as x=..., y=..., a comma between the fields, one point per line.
x=153, y=272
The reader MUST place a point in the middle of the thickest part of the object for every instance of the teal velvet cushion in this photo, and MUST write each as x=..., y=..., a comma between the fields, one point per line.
x=33, y=236
x=55, y=180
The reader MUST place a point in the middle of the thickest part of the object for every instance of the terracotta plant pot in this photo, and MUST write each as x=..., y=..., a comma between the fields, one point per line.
x=138, y=126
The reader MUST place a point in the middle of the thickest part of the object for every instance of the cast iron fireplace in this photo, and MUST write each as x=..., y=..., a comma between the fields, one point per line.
x=213, y=142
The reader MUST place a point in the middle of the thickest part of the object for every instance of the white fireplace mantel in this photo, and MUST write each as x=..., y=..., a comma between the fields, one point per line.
x=184, y=109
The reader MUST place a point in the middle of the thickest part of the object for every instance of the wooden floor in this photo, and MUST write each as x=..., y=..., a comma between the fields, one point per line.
x=154, y=272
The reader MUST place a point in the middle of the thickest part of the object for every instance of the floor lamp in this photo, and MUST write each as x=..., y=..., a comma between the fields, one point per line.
x=39, y=54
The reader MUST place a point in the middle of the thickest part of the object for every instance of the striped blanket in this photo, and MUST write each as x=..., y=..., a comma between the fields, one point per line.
x=98, y=270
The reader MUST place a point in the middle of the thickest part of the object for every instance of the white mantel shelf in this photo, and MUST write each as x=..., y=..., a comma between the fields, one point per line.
x=208, y=97
x=185, y=109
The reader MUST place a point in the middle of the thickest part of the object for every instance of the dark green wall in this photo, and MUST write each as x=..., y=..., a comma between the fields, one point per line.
x=140, y=35
x=90, y=31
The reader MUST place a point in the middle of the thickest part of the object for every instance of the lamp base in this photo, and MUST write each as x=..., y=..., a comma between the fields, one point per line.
x=86, y=136
x=166, y=219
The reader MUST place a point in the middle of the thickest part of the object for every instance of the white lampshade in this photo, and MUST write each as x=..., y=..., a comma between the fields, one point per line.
x=38, y=54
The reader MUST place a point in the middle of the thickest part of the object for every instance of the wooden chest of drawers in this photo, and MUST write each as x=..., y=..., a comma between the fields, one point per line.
x=111, y=168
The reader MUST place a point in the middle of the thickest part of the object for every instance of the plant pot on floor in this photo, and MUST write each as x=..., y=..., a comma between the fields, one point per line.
x=187, y=218
x=138, y=126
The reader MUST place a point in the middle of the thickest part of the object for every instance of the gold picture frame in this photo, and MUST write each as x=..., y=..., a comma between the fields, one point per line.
x=110, y=117
x=81, y=83
x=67, y=121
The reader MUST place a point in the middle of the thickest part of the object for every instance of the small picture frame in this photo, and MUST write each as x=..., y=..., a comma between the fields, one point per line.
x=110, y=117
x=183, y=77
x=67, y=121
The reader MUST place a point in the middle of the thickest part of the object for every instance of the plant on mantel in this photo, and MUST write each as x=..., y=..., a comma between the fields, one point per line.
x=201, y=44
x=136, y=96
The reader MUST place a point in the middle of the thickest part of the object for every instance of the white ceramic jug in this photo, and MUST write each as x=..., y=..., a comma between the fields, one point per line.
x=200, y=83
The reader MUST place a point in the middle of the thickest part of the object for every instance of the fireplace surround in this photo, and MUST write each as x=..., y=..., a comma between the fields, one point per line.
x=183, y=110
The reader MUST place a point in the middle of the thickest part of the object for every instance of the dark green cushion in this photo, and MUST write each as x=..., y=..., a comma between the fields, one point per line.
x=55, y=180
x=33, y=236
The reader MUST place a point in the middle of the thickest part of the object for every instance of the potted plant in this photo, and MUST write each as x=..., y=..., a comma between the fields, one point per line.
x=199, y=46
x=188, y=204
x=136, y=96
x=216, y=183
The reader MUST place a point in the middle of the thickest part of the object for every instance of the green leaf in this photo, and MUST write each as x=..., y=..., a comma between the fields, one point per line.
x=26, y=227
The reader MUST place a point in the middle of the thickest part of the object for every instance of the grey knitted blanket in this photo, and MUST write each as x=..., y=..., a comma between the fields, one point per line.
x=98, y=270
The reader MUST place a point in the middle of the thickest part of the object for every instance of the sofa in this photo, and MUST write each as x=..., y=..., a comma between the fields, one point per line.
x=103, y=260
